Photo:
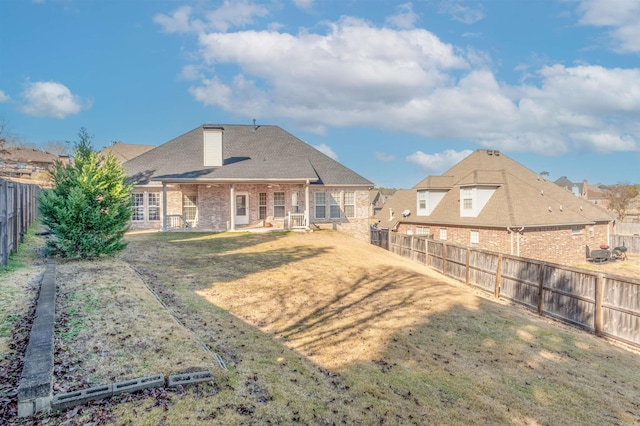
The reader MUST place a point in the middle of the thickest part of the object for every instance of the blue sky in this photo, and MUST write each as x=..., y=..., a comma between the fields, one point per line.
x=394, y=90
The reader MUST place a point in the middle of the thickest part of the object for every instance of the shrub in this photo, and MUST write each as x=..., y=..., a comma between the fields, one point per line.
x=89, y=207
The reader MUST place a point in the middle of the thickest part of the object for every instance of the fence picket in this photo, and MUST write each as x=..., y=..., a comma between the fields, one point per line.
x=18, y=210
x=606, y=304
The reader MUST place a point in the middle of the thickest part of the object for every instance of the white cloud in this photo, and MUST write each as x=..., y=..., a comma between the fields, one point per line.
x=461, y=13
x=51, y=99
x=4, y=97
x=229, y=14
x=438, y=162
x=382, y=156
x=405, y=18
x=622, y=16
x=303, y=4
x=326, y=150
x=178, y=22
x=356, y=74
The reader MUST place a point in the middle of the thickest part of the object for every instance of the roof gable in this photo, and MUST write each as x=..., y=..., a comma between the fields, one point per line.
x=521, y=198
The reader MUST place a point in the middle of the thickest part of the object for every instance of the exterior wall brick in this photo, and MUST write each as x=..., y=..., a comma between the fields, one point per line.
x=560, y=244
x=214, y=212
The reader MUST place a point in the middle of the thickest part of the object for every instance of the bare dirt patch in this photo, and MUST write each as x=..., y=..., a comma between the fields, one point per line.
x=110, y=328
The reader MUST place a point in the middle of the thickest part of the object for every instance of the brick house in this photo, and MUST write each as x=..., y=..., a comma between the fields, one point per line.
x=234, y=177
x=27, y=162
x=492, y=202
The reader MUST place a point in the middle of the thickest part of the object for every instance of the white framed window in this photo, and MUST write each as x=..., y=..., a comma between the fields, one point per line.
x=146, y=206
x=443, y=234
x=278, y=204
x=350, y=204
x=320, y=201
x=334, y=205
x=475, y=238
x=422, y=203
x=154, y=206
x=422, y=230
x=576, y=230
x=467, y=198
x=138, y=206
x=262, y=205
x=591, y=231
x=190, y=207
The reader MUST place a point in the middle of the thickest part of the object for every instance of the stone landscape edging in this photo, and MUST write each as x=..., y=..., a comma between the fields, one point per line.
x=36, y=381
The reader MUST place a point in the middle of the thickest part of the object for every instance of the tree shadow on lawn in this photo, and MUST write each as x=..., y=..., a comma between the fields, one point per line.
x=465, y=357
x=201, y=260
x=402, y=345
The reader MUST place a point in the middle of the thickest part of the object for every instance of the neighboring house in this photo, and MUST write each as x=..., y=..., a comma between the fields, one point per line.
x=596, y=194
x=492, y=202
x=125, y=151
x=377, y=198
x=575, y=188
x=27, y=162
x=230, y=177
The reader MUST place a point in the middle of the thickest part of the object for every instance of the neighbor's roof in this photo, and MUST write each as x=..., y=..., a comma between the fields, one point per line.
x=27, y=155
x=258, y=154
x=522, y=197
x=125, y=151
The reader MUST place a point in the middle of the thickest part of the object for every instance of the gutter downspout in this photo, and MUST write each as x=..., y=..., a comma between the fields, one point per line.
x=518, y=231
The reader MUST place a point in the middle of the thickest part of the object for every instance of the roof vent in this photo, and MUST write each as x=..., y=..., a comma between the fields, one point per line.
x=406, y=212
x=490, y=151
x=496, y=152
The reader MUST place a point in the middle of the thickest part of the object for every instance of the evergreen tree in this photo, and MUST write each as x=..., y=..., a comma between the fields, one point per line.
x=89, y=207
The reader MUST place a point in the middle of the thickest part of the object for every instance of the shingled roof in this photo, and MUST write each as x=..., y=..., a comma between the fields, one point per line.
x=125, y=151
x=522, y=198
x=27, y=155
x=250, y=154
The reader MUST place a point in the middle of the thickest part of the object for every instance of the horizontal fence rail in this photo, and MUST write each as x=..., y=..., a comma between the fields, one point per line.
x=18, y=210
x=608, y=305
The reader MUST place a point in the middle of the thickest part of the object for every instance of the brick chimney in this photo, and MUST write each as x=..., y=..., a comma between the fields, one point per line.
x=212, y=139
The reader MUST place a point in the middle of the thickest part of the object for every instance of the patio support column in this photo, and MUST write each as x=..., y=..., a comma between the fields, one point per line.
x=232, y=222
x=164, y=207
x=306, y=205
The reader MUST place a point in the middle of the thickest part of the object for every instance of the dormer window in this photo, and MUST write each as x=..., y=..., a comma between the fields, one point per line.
x=474, y=198
x=427, y=201
x=467, y=198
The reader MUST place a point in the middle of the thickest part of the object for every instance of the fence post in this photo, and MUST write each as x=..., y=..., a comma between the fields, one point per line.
x=444, y=259
x=600, y=279
x=498, y=277
x=540, y=287
x=468, y=270
x=16, y=219
x=4, y=223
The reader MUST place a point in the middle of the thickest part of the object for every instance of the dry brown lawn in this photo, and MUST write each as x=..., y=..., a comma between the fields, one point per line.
x=625, y=268
x=319, y=328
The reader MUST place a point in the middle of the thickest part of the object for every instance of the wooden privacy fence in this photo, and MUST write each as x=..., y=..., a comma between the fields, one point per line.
x=18, y=210
x=631, y=242
x=608, y=305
